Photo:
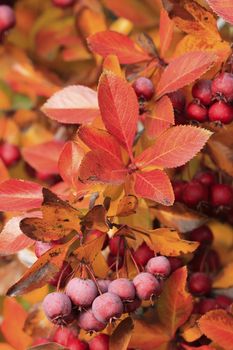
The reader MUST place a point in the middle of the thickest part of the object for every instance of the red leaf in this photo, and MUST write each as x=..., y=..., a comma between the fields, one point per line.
x=119, y=109
x=154, y=185
x=223, y=8
x=69, y=162
x=161, y=118
x=166, y=29
x=75, y=104
x=109, y=42
x=174, y=147
x=44, y=157
x=100, y=166
x=184, y=70
x=20, y=195
x=100, y=139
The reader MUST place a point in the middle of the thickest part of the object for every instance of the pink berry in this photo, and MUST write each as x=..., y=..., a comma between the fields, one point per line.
x=159, y=266
x=144, y=88
x=178, y=187
x=57, y=307
x=200, y=283
x=123, y=287
x=62, y=335
x=222, y=85
x=9, y=153
x=206, y=305
x=107, y=306
x=202, y=234
x=221, y=195
x=197, y=112
x=100, y=342
x=142, y=254
x=194, y=193
x=178, y=100
x=88, y=322
x=77, y=344
x=63, y=3
x=81, y=292
x=223, y=301
x=202, y=91
x=7, y=18
x=175, y=263
x=132, y=305
x=146, y=285
x=221, y=112
x=103, y=285
x=207, y=178
x=43, y=247
x=116, y=246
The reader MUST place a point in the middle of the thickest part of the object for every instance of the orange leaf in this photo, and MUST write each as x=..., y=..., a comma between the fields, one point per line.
x=154, y=185
x=121, y=336
x=109, y=42
x=4, y=174
x=218, y=326
x=175, y=304
x=166, y=29
x=174, y=147
x=184, y=70
x=111, y=63
x=223, y=8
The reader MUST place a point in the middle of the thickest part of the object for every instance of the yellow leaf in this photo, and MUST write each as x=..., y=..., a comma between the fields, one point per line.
x=225, y=278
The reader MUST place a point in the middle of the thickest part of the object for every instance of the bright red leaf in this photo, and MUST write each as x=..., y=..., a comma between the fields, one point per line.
x=20, y=195
x=75, y=104
x=166, y=28
x=174, y=147
x=109, y=42
x=223, y=8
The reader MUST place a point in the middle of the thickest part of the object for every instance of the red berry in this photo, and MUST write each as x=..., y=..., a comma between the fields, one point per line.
x=142, y=254
x=202, y=91
x=123, y=287
x=100, y=342
x=222, y=85
x=221, y=112
x=57, y=307
x=159, y=266
x=132, y=306
x=175, y=263
x=63, y=3
x=207, y=178
x=63, y=335
x=178, y=187
x=81, y=292
x=194, y=193
x=77, y=344
x=213, y=263
x=43, y=176
x=146, y=285
x=221, y=195
x=107, y=306
x=223, y=301
x=87, y=321
x=112, y=262
x=7, y=18
x=9, y=153
x=200, y=283
x=144, y=88
x=103, y=285
x=206, y=305
x=197, y=112
x=202, y=234
x=178, y=100
x=96, y=234
x=116, y=246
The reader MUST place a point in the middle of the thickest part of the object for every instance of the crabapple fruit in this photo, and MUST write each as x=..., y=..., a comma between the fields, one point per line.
x=178, y=187
x=62, y=335
x=77, y=344
x=122, y=287
x=146, y=285
x=221, y=195
x=103, y=285
x=57, y=307
x=222, y=85
x=175, y=263
x=200, y=283
x=144, y=88
x=202, y=91
x=99, y=342
x=207, y=178
x=194, y=193
x=223, y=301
x=197, y=112
x=202, y=234
x=132, y=305
x=159, y=266
x=178, y=100
x=81, y=292
x=220, y=112
x=43, y=247
x=107, y=306
x=7, y=18
x=142, y=254
x=9, y=153
x=117, y=246
x=87, y=321
x=206, y=305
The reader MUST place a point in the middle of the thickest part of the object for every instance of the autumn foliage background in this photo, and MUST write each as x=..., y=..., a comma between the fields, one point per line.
x=90, y=161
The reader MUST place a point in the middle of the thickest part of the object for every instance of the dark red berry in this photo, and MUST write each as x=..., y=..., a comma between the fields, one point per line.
x=206, y=305
x=144, y=88
x=87, y=321
x=77, y=344
x=142, y=254
x=197, y=112
x=100, y=342
x=221, y=112
x=9, y=154
x=221, y=195
x=123, y=287
x=112, y=262
x=202, y=234
x=223, y=301
x=202, y=91
x=205, y=261
x=107, y=306
x=132, y=305
x=116, y=246
x=57, y=307
x=207, y=178
x=7, y=18
x=175, y=263
x=81, y=292
x=159, y=266
x=222, y=85
x=194, y=193
x=63, y=3
x=62, y=335
x=200, y=283
x=146, y=285
x=178, y=100
x=178, y=187
x=212, y=262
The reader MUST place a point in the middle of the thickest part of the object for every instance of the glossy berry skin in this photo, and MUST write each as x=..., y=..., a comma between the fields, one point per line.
x=57, y=307
x=9, y=154
x=221, y=195
x=132, y=305
x=197, y=112
x=223, y=301
x=159, y=266
x=143, y=88
x=103, y=285
x=116, y=246
x=194, y=193
x=7, y=18
x=202, y=91
x=87, y=321
x=142, y=254
x=200, y=284
x=62, y=335
x=122, y=287
x=178, y=100
x=178, y=187
x=100, y=342
x=81, y=292
x=146, y=285
x=222, y=86
x=63, y=3
x=221, y=112
x=107, y=306
x=206, y=178
x=175, y=263
x=206, y=305
x=202, y=234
